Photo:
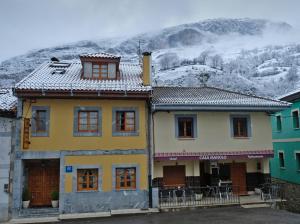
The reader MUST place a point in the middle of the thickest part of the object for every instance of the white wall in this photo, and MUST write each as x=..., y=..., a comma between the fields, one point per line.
x=213, y=133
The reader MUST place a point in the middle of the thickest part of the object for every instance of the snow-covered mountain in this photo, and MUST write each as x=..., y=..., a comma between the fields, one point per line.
x=248, y=55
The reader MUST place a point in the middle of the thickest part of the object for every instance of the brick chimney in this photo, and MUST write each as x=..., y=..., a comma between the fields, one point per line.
x=147, y=69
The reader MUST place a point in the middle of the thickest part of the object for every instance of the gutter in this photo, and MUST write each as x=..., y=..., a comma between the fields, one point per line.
x=216, y=108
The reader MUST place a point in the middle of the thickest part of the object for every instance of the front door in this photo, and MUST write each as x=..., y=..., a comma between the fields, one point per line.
x=238, y=178
x=174, y=176
x=42, y=181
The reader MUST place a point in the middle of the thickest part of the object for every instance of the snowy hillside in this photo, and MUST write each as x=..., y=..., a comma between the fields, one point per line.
x=253, y=56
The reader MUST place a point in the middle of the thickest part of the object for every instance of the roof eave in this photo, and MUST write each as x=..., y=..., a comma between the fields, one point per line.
x=185, y=107
x=81, y=94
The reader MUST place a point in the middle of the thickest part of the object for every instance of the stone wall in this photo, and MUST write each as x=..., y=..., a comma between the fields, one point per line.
x=291, y=194
x=81, y=202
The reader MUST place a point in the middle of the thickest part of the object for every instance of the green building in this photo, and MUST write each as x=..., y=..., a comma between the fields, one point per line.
x=286, y=141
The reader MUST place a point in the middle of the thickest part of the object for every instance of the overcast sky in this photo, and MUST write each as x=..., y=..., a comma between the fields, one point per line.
x=33, y=24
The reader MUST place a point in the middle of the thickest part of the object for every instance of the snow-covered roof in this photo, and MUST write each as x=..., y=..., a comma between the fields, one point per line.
x=210, y=97
x=8, y=102
x=290, y=96
x=49, y=77
x=100, y=55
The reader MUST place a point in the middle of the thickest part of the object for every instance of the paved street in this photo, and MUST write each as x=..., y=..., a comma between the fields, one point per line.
x=212, y=216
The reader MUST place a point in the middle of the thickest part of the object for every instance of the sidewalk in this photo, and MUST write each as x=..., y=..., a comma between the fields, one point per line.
x=82, y=216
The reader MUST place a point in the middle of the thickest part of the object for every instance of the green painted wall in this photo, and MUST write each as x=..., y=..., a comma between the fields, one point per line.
x=286, y=140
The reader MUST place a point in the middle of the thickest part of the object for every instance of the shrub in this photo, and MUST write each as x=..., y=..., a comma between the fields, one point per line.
x=55, y=195
x=26, y=196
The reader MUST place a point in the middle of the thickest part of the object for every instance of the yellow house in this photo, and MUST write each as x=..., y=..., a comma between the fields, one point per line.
x=83, y=134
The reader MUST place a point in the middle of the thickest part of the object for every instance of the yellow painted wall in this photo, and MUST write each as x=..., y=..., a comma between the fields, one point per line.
x=106, y=162
x=213, y=133
x=61, y=126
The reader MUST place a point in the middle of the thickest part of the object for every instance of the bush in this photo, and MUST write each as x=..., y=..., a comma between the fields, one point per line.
x=26, y=196
x=54, y=195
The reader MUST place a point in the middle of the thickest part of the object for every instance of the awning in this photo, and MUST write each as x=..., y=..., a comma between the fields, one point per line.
x=258, y=154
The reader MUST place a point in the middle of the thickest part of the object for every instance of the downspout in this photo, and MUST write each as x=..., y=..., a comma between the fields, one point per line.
x=149, y=153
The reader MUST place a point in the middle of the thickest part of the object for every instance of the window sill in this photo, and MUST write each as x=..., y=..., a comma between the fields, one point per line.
x=39, y=135
x=282, y=168
x=181, y=138
x=125, y=189
x=295, y=129
x=241, y=137
x=91, y=191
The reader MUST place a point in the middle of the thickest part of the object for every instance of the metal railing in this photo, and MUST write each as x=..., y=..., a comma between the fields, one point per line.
x=272, y=191
x=198, y=196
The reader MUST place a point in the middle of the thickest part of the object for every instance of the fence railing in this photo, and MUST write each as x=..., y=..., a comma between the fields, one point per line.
x=198, y=196
x=271, y=191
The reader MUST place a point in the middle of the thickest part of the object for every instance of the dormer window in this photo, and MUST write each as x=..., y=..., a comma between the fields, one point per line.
x=100, y=66
x=95, y=70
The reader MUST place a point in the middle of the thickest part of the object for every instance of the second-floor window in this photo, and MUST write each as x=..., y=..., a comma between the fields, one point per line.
x=240, y=126
x=40, y=121
x=125, y=121
x=88, y=121
x=295, y=115
x=278, y=123
x=185, y=127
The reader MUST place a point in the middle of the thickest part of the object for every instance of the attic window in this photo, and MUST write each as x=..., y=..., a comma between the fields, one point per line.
x=59, y=71
x=97, y=70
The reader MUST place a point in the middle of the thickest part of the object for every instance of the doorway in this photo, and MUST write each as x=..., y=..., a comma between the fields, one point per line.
x=43, y=179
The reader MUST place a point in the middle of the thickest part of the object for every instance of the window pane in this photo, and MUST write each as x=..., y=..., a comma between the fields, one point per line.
x=112, y=71
x=189, y=128
x=129, y=115
x=87, y=72
x=180, y=128
x=40, y=118
x=96, y=66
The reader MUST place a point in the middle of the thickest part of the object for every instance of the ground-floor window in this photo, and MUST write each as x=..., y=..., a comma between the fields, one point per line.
x=281, y=159
x=87, y=179
x=126, y=178
x=298, y=160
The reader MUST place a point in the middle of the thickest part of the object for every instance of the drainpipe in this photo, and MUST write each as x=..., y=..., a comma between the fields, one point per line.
x=150, y=152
